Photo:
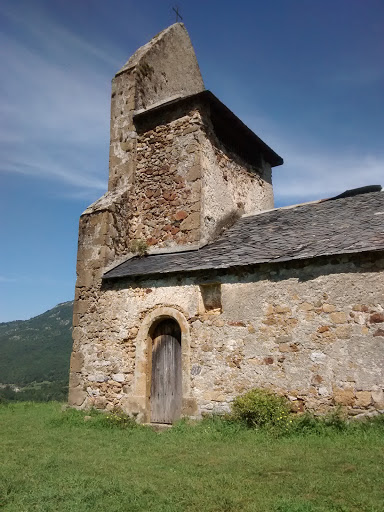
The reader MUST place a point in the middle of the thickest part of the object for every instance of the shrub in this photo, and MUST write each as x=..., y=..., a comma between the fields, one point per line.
x=261, y=408
x=138, y=247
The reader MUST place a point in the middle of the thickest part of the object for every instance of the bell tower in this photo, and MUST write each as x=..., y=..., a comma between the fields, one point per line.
x=182, y=168
x=164, y=69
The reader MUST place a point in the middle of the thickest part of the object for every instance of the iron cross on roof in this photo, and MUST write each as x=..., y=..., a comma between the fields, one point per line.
x=178, y=15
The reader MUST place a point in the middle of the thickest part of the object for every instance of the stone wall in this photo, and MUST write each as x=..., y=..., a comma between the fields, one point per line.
x=313, y=332
x=231, y=186
x=122, y=149
x=188, y=187
x=166, y=201
x=98, y=247
x=165, y=68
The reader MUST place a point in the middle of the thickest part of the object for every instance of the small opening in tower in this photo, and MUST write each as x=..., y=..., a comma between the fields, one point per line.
x=211, y=297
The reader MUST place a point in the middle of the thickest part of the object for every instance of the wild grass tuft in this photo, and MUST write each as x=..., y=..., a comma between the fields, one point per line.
x=95, y=419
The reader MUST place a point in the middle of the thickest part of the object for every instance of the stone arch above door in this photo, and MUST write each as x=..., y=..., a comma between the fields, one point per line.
x=142, y=381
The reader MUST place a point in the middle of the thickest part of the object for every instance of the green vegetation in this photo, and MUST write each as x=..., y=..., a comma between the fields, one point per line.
x=68, y=460
x=260, y=407
x=34, y=355
x=36, y=392
x=138, y=246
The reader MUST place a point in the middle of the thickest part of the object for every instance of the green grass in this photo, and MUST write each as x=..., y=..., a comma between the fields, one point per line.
x=54, y=461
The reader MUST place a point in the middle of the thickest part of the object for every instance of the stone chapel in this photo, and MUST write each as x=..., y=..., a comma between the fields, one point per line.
x=192, y=289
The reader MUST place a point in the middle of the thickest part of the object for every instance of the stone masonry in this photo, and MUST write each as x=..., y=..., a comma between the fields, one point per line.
x=312, y=330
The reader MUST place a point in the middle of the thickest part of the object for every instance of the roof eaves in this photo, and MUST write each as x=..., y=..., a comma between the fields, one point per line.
x=221, y=111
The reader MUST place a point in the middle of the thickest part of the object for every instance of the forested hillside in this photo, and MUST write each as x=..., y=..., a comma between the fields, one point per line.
x=34, y=355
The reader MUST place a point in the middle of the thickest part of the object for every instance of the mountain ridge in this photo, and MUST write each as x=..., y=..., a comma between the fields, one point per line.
x=37, y=350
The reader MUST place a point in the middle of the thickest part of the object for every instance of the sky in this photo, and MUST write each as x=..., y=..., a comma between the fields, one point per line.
x=306, y=75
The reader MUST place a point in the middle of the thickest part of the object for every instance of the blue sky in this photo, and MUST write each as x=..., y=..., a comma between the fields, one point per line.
x=306, y=75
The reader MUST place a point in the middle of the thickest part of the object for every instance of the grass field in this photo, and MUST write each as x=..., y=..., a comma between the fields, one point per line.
x=55, y=461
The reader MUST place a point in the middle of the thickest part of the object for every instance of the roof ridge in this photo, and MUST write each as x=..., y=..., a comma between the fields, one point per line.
x=352, y=193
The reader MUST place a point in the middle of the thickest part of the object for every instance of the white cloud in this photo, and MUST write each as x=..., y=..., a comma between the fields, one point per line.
x=54, y=104
x=311, y=169
x=43, y=166
x=57, y=39
x=314, y=175
x=54, y=115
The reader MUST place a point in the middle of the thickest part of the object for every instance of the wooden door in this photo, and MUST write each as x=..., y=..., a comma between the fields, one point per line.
x=166, y=392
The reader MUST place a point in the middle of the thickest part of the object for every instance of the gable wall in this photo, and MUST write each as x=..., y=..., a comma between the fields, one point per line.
x=165, y=68
x=314, y=333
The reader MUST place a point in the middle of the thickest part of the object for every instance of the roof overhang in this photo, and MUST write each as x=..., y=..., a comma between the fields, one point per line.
x=229, y=129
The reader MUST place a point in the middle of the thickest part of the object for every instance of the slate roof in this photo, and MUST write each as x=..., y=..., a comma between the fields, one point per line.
x=330, y=227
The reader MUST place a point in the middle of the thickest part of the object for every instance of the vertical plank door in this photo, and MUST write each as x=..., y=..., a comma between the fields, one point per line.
x=166, y=393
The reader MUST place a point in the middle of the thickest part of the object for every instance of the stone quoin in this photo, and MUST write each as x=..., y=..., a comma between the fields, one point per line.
x=192, y=289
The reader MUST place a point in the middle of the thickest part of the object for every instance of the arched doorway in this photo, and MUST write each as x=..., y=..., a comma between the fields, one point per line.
x=166, y=385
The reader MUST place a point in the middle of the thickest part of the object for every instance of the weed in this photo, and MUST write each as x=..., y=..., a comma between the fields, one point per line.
x=215, y=426
x=336, y=419
x=95, y=419
x=117, y=418
x=294, y=506
x=138, y=246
